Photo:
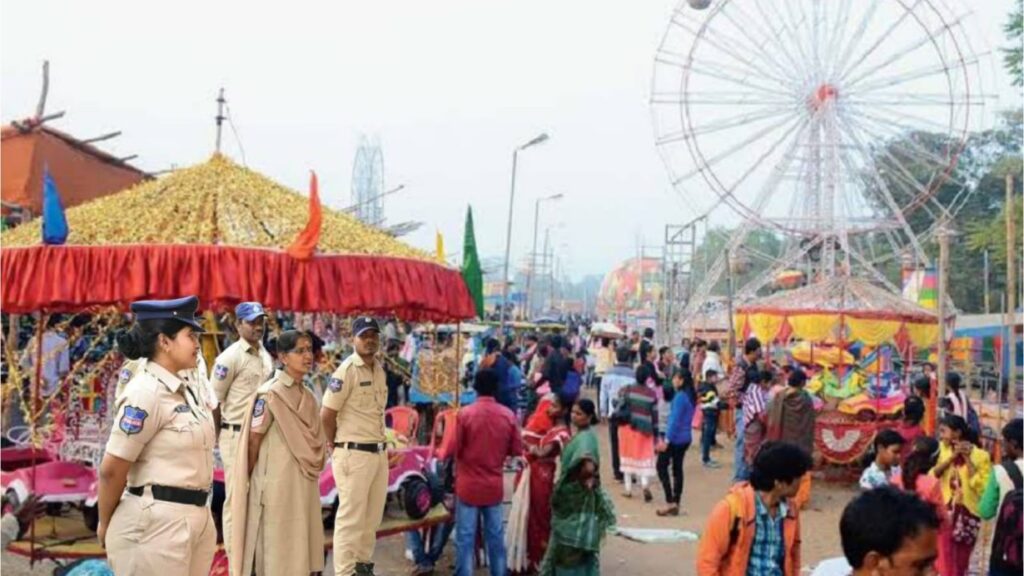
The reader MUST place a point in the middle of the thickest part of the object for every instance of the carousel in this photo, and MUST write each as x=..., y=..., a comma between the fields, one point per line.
x=217, y=230
x=857, y=341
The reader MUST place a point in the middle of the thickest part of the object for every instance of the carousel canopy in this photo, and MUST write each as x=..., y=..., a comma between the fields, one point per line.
x=838, y=309
x=219, y=230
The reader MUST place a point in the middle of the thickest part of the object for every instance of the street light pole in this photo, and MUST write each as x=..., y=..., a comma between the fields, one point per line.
x=533, y=253
x=508, y=231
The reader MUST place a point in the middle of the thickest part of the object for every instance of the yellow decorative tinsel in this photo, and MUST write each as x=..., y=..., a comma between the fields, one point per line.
x=439, y=373
x=217, y=202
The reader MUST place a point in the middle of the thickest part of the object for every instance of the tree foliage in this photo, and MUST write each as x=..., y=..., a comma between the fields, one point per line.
x=759, y=251
x=1012, y=54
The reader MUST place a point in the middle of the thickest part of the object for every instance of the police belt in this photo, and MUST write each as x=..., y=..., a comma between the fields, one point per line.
x=226, y=426
x=373, y=447
x=173, y=494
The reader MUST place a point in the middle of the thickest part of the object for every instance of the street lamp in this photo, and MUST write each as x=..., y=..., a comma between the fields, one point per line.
x=533, y=254
x=508, y=233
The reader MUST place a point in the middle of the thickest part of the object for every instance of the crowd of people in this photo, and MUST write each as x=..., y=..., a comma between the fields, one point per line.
x=538, y=402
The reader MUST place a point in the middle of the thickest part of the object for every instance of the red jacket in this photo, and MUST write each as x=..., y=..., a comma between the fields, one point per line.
x=724, y=548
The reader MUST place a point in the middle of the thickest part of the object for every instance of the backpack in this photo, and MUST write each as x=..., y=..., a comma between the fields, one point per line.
x=734, y=518
x=973, y=422
x=1006, y=543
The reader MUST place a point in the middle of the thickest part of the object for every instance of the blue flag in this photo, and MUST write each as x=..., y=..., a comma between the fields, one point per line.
x=55, y=224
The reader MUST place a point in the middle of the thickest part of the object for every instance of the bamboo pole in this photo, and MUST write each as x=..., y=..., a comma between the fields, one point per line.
x=1011, y=293
x=33, y=416
x=458, y=364
x=944, y=232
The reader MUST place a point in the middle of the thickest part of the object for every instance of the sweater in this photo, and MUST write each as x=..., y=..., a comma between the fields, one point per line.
x=641, y=403
x=680, y=420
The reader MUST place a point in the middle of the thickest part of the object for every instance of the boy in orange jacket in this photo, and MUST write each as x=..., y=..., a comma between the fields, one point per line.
x=755, y=529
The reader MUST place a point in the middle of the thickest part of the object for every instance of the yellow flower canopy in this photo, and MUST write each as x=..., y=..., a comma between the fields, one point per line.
x=219, y=203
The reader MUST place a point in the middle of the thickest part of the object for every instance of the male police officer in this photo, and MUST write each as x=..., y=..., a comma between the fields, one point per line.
x=239, y=370
x=353, y=420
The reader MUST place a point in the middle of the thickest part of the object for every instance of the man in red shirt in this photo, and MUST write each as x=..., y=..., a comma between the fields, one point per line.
x=486, y=433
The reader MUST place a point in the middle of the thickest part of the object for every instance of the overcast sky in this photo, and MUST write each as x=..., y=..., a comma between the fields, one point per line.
x=449, y=88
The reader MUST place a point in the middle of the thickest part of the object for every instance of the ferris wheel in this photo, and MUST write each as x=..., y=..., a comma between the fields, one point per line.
x=832, y=123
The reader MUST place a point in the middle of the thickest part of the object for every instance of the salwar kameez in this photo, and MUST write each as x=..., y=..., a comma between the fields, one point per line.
x=580, y=516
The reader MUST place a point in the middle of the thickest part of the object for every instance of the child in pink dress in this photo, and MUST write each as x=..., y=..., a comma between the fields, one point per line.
x=916, y=478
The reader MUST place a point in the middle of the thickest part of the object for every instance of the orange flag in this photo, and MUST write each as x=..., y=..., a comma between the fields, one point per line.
x=304, y=245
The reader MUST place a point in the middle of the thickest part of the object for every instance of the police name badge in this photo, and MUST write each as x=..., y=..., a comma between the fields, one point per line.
x=258, y=411
x=182, y=409
x=335, y=384
x=132, y=420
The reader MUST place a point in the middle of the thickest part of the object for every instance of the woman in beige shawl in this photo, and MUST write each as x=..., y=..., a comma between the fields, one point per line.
x=284, y=453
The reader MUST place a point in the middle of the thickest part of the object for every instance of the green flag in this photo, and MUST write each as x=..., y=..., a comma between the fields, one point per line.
x=471, y=272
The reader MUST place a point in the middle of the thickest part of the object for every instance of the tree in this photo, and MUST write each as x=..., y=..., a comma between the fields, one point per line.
x=976, y=187
x=1014, y=29
x=990, y=236
x=759, y=250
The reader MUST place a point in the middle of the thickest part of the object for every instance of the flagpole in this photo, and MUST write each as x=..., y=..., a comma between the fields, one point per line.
x=220, y=116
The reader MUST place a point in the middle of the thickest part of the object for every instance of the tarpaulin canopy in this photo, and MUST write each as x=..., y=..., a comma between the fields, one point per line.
x=81, y=171
x=838, y=309
x=218, y=230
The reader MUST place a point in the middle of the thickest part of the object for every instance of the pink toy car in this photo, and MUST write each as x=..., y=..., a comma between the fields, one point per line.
x=412, y=480
x=56, y=483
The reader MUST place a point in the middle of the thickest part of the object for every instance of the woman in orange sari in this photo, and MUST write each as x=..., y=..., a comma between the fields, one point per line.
x=529, y=528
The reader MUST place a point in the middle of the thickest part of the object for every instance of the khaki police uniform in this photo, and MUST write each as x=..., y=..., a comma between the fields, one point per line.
x=199, y=375
x=238, y=371
x=359, y=394
x=163, y=525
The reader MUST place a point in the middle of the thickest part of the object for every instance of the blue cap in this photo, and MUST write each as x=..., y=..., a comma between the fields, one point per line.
x=249, y=311
x=183, y=309
x=364, y=323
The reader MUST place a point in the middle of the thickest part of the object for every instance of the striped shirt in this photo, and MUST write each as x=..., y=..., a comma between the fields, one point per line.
x=738, y=379
x=768, y=549
x=641, y=402
x=754, y=402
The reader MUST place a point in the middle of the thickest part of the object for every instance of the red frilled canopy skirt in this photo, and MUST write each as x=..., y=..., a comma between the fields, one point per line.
x=69, y=278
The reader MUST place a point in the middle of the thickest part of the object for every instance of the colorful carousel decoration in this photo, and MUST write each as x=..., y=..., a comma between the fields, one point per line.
x=855, y=339
x=217, y=230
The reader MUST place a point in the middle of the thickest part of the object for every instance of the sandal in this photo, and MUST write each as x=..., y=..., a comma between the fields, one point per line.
x=647, y=495
x=669, y=511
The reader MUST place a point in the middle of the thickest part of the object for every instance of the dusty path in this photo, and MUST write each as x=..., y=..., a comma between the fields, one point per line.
x=703, y=488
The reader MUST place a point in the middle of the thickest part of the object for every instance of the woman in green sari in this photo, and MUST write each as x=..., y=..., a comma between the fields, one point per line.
x=581, y=511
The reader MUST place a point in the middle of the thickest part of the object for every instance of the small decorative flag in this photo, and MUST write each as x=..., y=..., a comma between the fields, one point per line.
x=304, y=245
x=440, y=247
x=471, y=271
x=55, y=224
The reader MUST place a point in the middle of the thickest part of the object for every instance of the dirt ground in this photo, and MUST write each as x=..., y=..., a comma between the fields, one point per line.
x=703, y=488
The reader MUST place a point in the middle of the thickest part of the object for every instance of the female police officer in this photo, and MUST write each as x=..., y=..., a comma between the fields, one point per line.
x=161, y=449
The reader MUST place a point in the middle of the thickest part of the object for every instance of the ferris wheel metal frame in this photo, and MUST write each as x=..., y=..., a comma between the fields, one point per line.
x=368, y=181
x=819, y=102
